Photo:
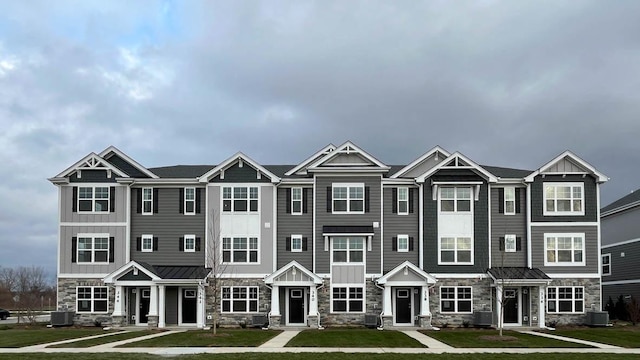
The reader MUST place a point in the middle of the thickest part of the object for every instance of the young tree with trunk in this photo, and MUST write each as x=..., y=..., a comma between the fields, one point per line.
x=215, y=261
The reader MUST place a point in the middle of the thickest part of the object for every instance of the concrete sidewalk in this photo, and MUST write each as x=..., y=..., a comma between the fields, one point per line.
x=574, y=340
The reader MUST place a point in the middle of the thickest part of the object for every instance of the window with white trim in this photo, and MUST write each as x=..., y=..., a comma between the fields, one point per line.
x=189, y=243
x=296, y=243
x=347, y=299
x=240, y=199
x=93, y=248
x=239, y=299
x=189, y=200
x=455, y=199
x=240, y=250
x=93, y=199
x=509, y=200
x=348, y=198
x=296, y=200
x=147, y=243
x=348, y=249
x=403, y=200
x=606, y=264
x=564, y=249
x=403, y=243
x=456, y=299
x=563, y=198
x=510, y=243
x=147, y=201
x=565, y=299
x=456, y=250
x=92, y=299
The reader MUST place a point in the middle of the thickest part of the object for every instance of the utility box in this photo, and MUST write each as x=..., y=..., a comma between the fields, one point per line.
x=62, y=318
x=597, y=318
x=482, y=318
x=371, y=320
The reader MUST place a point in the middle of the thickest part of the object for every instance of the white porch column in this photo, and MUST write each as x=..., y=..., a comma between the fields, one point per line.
x=275, y=300
x=541, y=306
x=153, y=301
x=313, y=300
x=499, y=304
x=424, y=301
x=200, y=307
x=161, y=306
x=387, y=300
x=118, y=306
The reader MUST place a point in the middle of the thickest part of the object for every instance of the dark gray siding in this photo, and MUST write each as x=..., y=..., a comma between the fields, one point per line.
x=614, y=291
x=395, y=225
x=591, y=249
x=501, y=225
x=289, y=224
x=323, y=217
x=624, y=262
x=621, y=226
x=123, y=165
x=590, y=198
x=92, y=176
x=237, y=174
x=168, y=225
x=171, y=305
x=119, y=214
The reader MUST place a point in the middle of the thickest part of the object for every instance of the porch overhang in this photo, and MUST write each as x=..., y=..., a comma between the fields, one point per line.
x=140, y=272
x=395, y=275
x=293, y=274
x=366, y=230
x=518, y=276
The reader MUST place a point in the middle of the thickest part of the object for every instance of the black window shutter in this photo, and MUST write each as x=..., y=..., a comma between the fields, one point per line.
x=518, y=200
x=410, y=243
x=139, y=200
x=111, y=249
x=394, y=200
x=138, y=244
x=518, y=243
x=181, y=201
x=394, y=243
x=501, y=200
x=155, y=243
x=197, y=244
x=74, y=207
x=329, y=198
x=305, y=200
x=74, y=248
x=155, y=201
x=181, y=243
x=288, y=191
x=501, y=240
x=366, y=199
x=288, y=244
x=304, y=244
x=198, y=196
x=411, y=191
x=112, y=199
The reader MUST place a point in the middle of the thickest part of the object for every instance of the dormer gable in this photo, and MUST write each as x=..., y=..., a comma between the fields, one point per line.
x=301, y=169
x=237, y=163
x=348, y=157
x=91, y=162
x=460, y=162
x=567, y=163
x=422, y=164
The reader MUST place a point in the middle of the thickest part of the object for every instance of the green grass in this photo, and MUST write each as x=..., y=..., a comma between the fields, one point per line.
x=628, y=336
x=353, y=338
x=205, y=338
x=474, y=338
x=14, y=337
x=105, y=339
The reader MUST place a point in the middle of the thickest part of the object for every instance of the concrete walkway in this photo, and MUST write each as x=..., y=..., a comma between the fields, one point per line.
x=574, y=340
x=427, y=341
x=280, y=340
x=103, y=347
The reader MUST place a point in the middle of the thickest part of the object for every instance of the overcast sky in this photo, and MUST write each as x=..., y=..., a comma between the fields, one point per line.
x=511, y=83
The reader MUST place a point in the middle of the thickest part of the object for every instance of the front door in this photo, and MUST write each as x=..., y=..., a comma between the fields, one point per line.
x=143, y=306
x=403, y=306
x=511, y=306
x=296, y=306
x=189, y=306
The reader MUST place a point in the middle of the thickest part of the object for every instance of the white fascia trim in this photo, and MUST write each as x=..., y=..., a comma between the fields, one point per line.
x=167, y=181
x=621, y=282
x=340, y=149
x=491, y=178
x=230, y=161
x=295, y=181
x=128, y=159
x=564, y=224
x=573, y=276
x=243, y=276
x=620, y=209
x=419, y=160
x=620, y=243
x=391, y=182
x=274, y=225
x=350, y=170
x=322, y=153
x=600, y=176
x=82, y=276
x=92, y=155
x=460, y=276
x=94, y=224
x=381, y=225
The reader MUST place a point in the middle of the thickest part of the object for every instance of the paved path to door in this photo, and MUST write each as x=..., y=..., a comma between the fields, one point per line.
x=579, y=341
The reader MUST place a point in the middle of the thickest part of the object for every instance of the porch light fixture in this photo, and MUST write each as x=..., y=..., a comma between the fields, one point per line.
x=406, y=270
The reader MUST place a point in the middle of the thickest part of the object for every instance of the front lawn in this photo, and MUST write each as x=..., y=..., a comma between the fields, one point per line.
x=105, y=339
x=205, y=338
x=484, y=338
x=628, y=336
x=353, y=338
x=19, y=336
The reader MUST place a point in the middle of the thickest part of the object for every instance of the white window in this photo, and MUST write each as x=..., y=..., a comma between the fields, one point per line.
x=347, y=299
x=563, y=199
x=93, y=248
x=606, y=264
x=456, y=299
x=189, y=201
x=564, y=249
x=296, y=243
x=510, y=243
x=147, y=201
x=92, y=299
x=296, y=201
x=509, y=200
x=147, y=243
x=241, y=250
x=403, y=243
x=403, y=200
x=565, y=299
x=348, y=198
x=456, y=250
x=189, y=243
x=348, y=249
x=93, y=199
x=239, y=299
x=455, y=199
x=240, y=199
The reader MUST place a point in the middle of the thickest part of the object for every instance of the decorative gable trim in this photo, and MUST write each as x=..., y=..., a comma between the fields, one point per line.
x=293, y=264
x=114, y=276
x=458, y=161
x=113, y=149
x=407, y=265
x=348, y=148
x=568, y=155
x=241, y=159
x=90, y=162
x=301, y=168
x=436, y=150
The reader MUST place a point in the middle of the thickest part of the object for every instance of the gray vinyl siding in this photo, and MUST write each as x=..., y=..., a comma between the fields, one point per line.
x=614, y=291
x=621, y=226
x=347, y=274
x=592, y=253
x=623, y=267
x=128, y=168
x=501, y=225
x=92, y=176
x=168, y=225
x=171, y=305
x=395, y=225
x=120, y=207
x=289, y=224
x=237, y=174
x=68, y=232
x=323, y=218
x=590, y=199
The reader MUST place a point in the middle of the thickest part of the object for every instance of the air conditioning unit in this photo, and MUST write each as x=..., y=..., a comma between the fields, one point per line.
x=597, y=318
x=259, y=321
x=482, y=318
x=371, y=320
x=62, y=318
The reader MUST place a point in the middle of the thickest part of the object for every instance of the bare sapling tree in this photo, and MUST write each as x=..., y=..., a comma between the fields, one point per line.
x=215, y=261
x=503, y=282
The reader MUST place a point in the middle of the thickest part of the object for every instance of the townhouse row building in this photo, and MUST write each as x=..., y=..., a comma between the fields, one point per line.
x=338, y=239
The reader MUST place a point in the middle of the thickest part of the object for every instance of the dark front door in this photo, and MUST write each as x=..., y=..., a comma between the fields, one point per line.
x=403, y=306
x=511, y=299
x=189, y=306
x=296, y=306
x=145, y=297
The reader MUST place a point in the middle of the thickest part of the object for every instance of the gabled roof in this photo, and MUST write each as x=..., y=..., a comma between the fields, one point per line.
x=112, y=149
x=624, y=203
x=144, y=267
x=301, y=168
x=435, y=151
x=293, y=264
x=92, y=161
x=409, y=266
x=518, y=274
x=348, y=148
x=458, y=161
x=181, y=171
x=572, y=158
x=232, y=160
x=507, y=173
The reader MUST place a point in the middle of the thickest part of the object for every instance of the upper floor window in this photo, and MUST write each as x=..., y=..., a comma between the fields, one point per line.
x=189, y=243
x=240, y=199
x=510, y=200
x=296, y=200
x=456, y=299
x=455, y=199
x=348, y=249
x=190, y=200
x=510, y=243
x=564, y=249
x=606, y=264
x=565, y=299
x=147, y=201
x=348, y=198
x=92, y=299
x=93, y=248
x=296, y=243
x=93, y=199
x=240, y=250
x=403, y=200
x=456, y=250
x=403, y=243
x=563, y=198
x=147, y=243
